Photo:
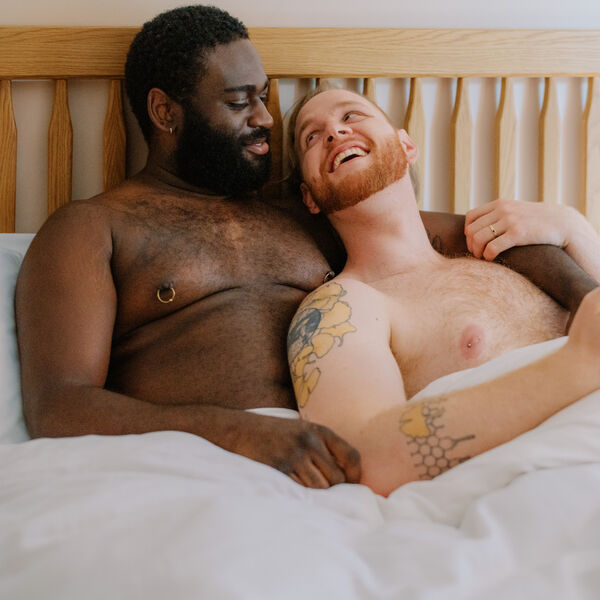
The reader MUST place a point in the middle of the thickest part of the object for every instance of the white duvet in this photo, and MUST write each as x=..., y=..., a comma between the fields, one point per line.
x=168, y=515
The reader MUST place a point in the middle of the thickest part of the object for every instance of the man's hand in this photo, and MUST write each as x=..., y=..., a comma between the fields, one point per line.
x=496, y=226
x=310, y=454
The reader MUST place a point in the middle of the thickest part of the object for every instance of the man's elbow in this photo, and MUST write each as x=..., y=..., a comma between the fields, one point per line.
x=384, y=474
x=46, y=413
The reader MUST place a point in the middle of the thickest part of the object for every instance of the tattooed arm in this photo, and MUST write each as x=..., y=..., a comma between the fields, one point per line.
x=346, y=377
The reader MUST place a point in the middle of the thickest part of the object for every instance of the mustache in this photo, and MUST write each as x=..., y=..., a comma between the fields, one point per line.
x=258, y=135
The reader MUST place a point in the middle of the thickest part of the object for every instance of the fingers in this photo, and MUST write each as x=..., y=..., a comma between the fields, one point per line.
x=483, y=232
x=347, y=457
x=319, y=468
x=475, y=213
x=308, y=475
x=318, y=458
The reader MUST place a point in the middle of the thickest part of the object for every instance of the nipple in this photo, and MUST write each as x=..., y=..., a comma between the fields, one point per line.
x=165, y=293
x=328, y=276
x=472, y=342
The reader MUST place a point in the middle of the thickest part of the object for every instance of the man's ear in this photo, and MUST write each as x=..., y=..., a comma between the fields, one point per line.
x=308, y=200
x=410, y=148
x=164, y=113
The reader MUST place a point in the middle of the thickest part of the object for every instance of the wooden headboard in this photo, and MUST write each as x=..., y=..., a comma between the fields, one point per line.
x=65, y=53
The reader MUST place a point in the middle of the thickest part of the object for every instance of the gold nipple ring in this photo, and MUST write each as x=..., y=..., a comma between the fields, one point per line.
x=493, y=230
x=166, y=301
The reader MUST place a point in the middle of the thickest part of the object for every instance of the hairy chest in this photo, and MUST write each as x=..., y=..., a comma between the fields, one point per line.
x=463, y=314
x=166, y=261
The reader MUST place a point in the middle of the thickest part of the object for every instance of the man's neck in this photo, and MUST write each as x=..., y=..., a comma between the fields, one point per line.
x=384, y=235
x=163, y=172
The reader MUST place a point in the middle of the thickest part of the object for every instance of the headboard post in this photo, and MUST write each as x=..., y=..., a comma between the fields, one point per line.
x=114, y=138
x=60, y=149
x=8, y=159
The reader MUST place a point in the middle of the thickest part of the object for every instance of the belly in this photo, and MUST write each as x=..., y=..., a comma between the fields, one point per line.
x=229, y=349
x=466, y=315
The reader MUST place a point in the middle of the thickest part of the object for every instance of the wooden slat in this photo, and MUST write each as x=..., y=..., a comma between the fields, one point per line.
x=113, y=156
x=365, y=52
x=591, y=154
x=506, y=143
x=8, y=159
x=64, y=52
x=68, y=52
x=369, y=89
x=60, y=149
x=415, y=125
x=273, y=187
x=549, y=146
x=461, y=134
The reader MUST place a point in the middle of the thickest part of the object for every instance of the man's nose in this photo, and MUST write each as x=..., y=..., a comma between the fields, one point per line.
x=261, y=117
x=340, y=130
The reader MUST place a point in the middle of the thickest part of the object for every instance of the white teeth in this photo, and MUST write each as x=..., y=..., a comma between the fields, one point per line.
x=342, y=155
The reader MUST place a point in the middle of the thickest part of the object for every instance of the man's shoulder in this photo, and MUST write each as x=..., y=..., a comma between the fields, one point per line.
x=343, y=291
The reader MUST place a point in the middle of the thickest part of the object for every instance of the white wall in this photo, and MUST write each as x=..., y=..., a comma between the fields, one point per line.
x=33, y=99
x=560, y=14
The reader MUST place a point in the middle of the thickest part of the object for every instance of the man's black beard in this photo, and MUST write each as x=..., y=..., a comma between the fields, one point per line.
x=213, y=159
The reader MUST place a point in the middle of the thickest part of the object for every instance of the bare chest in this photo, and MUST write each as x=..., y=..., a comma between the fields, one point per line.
x=167, y=262
x=463, y=315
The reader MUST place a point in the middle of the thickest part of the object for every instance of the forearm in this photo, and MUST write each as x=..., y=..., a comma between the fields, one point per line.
x=446, y=232
x=311, y=455
x=423, y=439
x=553, y=271
x=76, y=410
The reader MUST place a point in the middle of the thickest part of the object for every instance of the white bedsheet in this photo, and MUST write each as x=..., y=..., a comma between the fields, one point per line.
x=169, y=515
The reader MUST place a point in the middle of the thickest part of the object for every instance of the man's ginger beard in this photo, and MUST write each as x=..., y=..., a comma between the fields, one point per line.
x=389, y=164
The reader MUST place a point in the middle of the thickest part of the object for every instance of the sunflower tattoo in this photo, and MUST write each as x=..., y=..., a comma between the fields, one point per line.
x=321, y=319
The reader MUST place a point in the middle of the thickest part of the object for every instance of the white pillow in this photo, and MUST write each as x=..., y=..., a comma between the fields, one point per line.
x=12, y=425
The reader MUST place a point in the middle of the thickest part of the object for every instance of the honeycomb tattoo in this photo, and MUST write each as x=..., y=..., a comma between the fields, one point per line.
x=430, y=448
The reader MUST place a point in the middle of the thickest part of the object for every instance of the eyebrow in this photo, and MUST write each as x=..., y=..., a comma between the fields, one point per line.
x=345, y=104
x=247, y=88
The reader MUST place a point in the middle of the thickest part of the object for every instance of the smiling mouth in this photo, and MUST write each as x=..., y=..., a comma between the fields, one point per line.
x=347, y=155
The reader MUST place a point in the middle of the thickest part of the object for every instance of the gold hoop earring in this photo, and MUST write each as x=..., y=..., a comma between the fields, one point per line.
x=166, y=300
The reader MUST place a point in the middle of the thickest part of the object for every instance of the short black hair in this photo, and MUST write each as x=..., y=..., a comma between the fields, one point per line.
x=170, y=53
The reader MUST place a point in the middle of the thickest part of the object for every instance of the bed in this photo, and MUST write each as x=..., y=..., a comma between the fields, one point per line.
x=169, y=514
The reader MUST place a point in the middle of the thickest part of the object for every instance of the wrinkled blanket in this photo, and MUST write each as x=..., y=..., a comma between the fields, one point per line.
x=169, y=515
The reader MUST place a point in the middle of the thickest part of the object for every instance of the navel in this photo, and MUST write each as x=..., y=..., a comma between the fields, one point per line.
x=472, y=342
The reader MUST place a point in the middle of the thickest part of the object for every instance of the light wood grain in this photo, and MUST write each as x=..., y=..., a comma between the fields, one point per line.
x=8, y=159
x=365, y=52
x=65, y=52
x=416, y=126
x=506, y=143
x=591, y=154
x=99, y=52
x=60, y=149
x=370, y=89
x=113, y=156
x=461, y=134
x=273, y=187
x=549, y=146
